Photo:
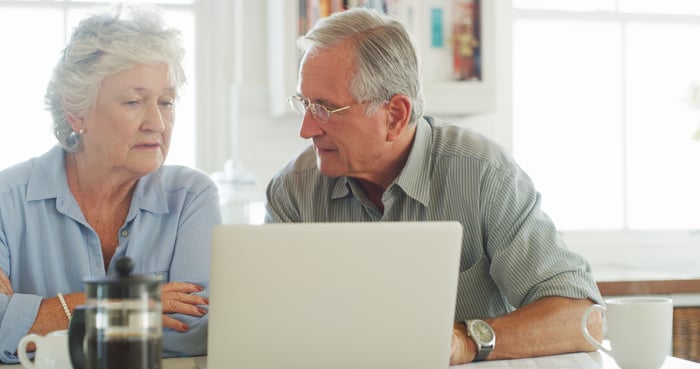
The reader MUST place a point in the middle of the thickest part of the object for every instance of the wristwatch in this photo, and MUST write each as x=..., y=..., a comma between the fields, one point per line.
x=483, y=336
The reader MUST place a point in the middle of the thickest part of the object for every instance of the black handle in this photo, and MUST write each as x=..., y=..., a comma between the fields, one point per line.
x=76, y=337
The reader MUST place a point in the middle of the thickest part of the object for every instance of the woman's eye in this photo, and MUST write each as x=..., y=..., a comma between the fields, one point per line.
x=132, y=102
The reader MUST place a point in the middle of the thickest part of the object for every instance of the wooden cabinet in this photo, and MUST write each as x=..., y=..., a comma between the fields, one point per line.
x=431, y=23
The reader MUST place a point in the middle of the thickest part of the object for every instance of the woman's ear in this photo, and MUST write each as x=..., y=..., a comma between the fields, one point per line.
x=76, y=123
x=399, y=116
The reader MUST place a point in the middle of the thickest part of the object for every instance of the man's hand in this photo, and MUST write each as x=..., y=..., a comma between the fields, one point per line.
x=462, y=350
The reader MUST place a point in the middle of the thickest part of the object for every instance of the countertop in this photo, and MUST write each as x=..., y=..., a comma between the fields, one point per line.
x=619, y=279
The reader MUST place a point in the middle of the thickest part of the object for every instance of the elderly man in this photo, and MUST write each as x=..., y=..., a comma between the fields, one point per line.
x=376, y=158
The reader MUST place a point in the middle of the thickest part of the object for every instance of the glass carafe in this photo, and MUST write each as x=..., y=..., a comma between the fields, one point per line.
x=120, y=326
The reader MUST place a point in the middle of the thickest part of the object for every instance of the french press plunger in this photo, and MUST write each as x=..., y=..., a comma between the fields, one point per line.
x=120, y=325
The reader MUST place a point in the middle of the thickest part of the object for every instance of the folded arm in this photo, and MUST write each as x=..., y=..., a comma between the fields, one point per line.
x=17, y=314
x=186, y=297
x=548, y=326
x=180, y=298
x=51, y=316
x=5, y=285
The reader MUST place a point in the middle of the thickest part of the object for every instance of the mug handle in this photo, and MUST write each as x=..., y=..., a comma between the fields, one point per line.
x=584, y=327
x=22, y=349
x=76, y=337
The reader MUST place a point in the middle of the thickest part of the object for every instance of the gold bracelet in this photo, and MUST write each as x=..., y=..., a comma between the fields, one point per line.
x=65, y=306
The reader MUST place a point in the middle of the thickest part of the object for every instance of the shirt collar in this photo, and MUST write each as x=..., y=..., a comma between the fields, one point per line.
x=149, y=194
x=414, y=178
x=49, y=168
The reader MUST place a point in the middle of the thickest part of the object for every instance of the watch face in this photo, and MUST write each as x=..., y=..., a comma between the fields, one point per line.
x=482, y=331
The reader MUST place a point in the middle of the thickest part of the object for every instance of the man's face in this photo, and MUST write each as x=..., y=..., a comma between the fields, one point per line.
x=350, y=143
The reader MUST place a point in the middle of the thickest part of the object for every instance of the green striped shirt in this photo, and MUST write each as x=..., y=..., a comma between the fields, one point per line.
x=511, y=252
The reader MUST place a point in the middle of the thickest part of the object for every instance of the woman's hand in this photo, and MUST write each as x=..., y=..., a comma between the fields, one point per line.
x=177, y=297
x=5, y=285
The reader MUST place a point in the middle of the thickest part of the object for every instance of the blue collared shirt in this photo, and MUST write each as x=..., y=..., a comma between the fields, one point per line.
x=47, y=246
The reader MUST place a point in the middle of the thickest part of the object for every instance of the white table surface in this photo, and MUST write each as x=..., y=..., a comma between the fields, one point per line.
x=593, y=360
x=597, y=360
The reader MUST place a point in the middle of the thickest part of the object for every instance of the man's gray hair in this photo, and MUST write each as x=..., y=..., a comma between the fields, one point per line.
x=386, y=55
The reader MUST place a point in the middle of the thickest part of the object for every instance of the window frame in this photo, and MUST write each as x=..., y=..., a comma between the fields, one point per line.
x=620, y=247
x=215, y=25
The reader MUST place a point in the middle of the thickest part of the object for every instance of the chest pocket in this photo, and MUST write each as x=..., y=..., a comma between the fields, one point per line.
x=478, y=295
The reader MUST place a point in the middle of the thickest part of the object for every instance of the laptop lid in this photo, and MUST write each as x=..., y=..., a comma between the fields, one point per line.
x=333, y=295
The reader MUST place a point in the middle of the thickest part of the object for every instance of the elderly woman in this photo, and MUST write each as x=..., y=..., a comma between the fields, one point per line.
x=104, y=192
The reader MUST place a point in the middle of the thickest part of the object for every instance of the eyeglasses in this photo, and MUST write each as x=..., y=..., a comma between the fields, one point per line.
x=301, y=104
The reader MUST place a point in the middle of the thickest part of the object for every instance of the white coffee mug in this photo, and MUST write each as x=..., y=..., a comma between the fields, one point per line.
x=51, y=351
x=639, y=330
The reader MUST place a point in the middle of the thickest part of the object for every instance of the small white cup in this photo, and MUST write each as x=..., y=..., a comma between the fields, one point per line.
x=51, y=351
x=639, y=330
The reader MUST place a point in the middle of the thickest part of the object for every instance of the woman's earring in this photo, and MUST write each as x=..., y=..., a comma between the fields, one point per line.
x=81, y=131
x=73, y=140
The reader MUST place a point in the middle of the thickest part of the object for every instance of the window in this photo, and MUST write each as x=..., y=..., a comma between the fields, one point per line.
x=601, y=119
x=30, y=51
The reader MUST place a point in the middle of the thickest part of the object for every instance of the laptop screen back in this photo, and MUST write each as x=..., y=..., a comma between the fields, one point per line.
x=333, y=295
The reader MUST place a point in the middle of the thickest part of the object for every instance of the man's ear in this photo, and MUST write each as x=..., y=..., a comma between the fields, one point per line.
x=399, y=116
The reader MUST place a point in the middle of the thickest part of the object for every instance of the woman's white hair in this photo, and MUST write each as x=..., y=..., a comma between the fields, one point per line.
x=102, y=45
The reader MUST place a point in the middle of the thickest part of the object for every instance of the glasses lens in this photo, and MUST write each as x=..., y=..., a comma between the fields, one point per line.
x=297, y=105
x=320, y=112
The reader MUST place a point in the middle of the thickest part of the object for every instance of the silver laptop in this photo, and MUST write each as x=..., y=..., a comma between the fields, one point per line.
x=333, y=295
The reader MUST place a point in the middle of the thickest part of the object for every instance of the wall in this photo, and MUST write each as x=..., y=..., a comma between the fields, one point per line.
x=266, y=143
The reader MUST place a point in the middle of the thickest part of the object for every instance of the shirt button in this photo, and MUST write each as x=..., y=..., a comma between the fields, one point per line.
x=125, y=233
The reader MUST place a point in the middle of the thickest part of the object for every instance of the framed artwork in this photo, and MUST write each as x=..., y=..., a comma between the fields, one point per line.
x=455, y=39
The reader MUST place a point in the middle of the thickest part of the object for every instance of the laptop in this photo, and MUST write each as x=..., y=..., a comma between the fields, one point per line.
x=333, y=295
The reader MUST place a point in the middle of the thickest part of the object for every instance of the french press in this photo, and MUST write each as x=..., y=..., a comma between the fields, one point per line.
x=120, y=325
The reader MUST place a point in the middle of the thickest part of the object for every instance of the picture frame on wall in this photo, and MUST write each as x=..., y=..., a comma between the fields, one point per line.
x=455, y=39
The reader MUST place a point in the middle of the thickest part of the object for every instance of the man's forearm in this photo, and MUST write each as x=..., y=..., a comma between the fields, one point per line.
x=548, y=326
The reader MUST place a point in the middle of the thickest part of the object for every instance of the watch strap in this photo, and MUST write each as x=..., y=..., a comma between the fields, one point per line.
x=483, y=352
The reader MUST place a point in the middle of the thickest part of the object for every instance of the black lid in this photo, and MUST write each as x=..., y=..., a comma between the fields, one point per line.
x=123, y=284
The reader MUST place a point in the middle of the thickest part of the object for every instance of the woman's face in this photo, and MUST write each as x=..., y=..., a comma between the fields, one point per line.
x=130, y=127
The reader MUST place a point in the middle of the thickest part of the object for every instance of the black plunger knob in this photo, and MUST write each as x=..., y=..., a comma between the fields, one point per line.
x=124, y=266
